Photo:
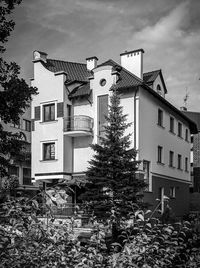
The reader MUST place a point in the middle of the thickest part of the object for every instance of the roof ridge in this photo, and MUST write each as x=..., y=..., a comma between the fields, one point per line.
x=190, y=112
x=152, y=71
x=68, y=61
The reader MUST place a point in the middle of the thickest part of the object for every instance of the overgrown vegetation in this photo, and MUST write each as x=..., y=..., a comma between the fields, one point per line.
x=25, y=241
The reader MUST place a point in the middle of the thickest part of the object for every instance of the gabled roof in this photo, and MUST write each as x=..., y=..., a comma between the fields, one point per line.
x=150, y=77
x=194, y=116
x=75, y=71
x=126, y=78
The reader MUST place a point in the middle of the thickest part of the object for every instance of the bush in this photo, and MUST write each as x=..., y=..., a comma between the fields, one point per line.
x=145, y=242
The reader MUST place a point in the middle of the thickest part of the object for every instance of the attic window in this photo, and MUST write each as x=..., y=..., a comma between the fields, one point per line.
x=158, y=89
x=102, y=82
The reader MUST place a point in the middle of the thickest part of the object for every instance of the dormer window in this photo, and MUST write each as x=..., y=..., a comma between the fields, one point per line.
x=158, y=89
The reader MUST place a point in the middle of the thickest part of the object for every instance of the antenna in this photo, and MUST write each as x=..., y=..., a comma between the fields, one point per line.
x=186, y=97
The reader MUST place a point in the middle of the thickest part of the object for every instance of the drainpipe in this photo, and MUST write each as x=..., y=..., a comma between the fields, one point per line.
x=135, y=117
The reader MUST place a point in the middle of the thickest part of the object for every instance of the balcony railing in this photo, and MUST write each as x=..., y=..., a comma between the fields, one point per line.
x=78, y=125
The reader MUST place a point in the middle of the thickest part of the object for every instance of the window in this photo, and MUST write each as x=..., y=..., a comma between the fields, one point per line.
x=158, y=88
x=186, y=134
x=13, y=170
x=146, y=165
x=26, y=125
x=179, y=129
x=160, y=117
x=160, y=151
x=69, y=114
x=171, y=128
x=171, y=158
x=186, y=164
x=49, y=151
x=49, y=112
x=192, y=139
x=172, y=192
x=27, y=176
x=179, y=161
x=102, y=82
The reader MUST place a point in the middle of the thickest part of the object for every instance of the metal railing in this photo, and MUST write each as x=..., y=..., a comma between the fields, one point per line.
x=78, y=123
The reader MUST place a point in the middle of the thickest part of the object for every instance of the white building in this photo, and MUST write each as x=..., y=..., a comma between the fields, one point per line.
x=68, y=116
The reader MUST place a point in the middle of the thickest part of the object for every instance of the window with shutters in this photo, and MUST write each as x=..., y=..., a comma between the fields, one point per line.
x=49, y=112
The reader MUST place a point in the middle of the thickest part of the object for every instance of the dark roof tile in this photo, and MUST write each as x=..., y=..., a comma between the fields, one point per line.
x=194, y=116
x=75, y=71
x=80, y=91
x=150, y=77
x=127, y=79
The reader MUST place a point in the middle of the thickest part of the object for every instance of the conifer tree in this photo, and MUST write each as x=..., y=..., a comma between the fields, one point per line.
x=112, y=181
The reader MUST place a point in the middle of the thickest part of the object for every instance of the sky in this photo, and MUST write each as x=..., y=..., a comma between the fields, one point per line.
x=72, y=30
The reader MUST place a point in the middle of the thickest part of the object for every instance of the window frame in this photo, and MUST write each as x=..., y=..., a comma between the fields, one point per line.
x=186, y=164
x=45, y=144
x=187, y=134
x=160, y=154
x=50, y=118
x=147, y=178
x=27, y=125
x=26, y=177
x=160, y=117
x=179, y=162
x=180, y=130
x=171, y=129
x=171, y=158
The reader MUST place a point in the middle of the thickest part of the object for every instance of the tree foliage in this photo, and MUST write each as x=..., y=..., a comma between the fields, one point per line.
x=112, y=181
x=27, y=241
x=15, y=94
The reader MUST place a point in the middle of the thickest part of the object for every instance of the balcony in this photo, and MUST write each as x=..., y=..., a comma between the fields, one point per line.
x=78, y=125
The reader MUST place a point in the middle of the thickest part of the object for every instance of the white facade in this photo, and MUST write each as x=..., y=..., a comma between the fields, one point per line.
x=71, y=141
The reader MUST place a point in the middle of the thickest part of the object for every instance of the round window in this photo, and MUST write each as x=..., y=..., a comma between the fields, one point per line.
x=102, y=82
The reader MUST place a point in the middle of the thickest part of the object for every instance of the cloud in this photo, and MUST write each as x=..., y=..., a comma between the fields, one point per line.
x=75, y=29
x=171, y=44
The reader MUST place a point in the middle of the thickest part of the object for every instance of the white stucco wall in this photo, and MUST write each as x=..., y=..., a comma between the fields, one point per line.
x=50, y=88
x=152, y=135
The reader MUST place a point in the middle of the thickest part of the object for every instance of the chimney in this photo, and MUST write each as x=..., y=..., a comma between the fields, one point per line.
x=133, y=61
x=39, y=55
x=91, y=63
